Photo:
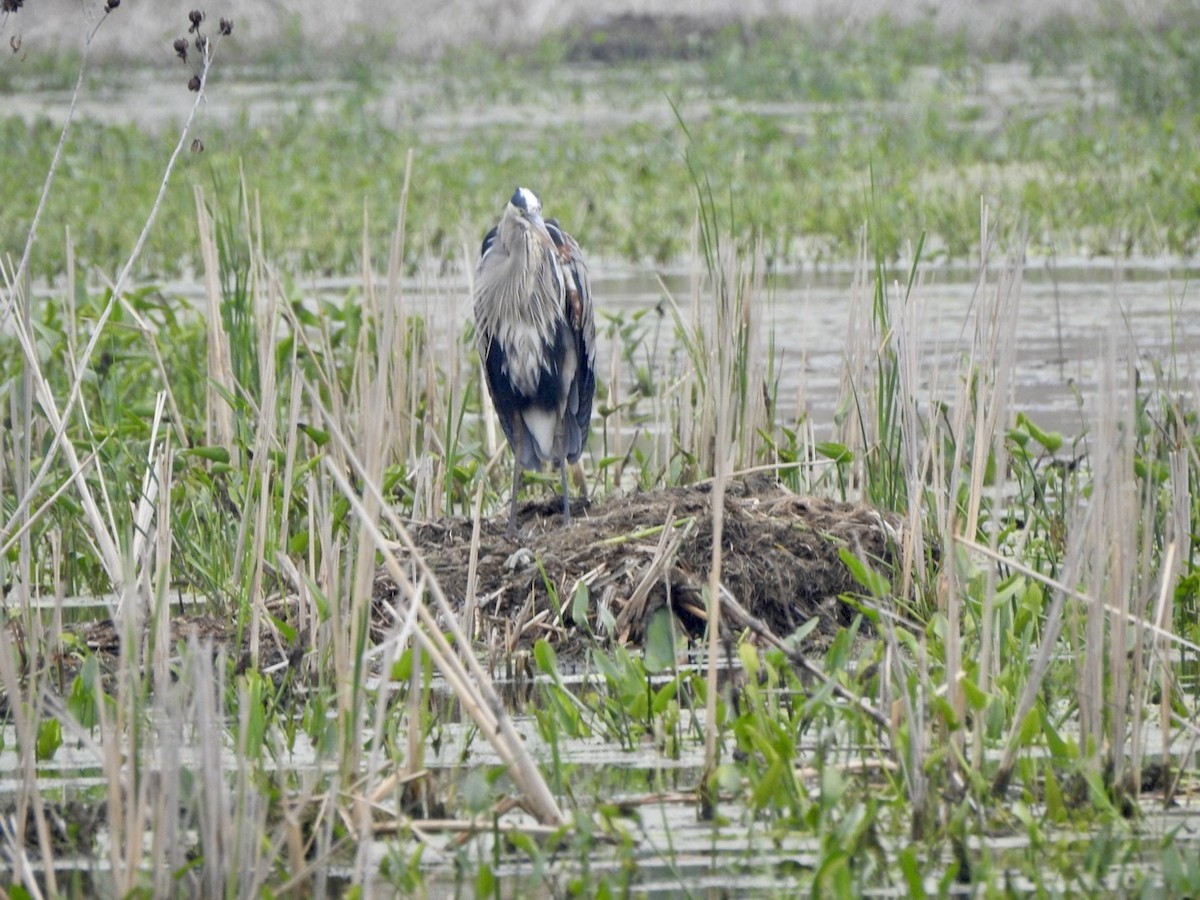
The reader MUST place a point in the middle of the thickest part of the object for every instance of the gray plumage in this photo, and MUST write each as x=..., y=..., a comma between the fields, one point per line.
x=536, y=335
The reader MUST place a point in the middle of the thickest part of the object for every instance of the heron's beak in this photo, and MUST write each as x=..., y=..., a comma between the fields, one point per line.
x=543, y=235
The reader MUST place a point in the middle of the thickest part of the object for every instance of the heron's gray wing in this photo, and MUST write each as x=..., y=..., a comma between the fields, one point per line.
x=581, y=319
x=488, y=240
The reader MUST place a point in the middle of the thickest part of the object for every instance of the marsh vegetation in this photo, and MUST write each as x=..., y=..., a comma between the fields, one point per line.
x=243, y=413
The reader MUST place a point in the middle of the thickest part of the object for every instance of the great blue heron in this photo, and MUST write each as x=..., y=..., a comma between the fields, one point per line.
x=537, y=336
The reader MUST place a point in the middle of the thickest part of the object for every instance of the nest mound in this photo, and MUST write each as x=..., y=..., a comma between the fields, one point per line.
x=639, y=551
x=635, y=553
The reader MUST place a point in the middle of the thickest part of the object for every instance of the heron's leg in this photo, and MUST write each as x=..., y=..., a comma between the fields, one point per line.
x=562, y=464
x=516, y=485
x=512, y=509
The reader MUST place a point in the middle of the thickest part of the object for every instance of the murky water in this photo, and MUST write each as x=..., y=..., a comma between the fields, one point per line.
x=647, y=797
x=1063, y=321
x=1065, y=315
x=1067, y=308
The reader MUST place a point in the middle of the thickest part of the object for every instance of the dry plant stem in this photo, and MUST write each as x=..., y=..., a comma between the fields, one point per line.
x=472, y=598
x=414, y=760
x=1116, y=556
x=267, y=325
x=1182, y=541
x=377, y=759
x=1159, y=658
x=773, y=468
x=1041, y=662
x=993, y=356
x=402, y=413
x=905, y=315
x=55, y=160
x=668, y=545
x=714, y=622
x=26, y=714
x=220, y=382
x=37, y=514
x=143, y=516
x=481, y=701
x=109, y=555
x=369, y=391
x=914, y=715
x=487, y=711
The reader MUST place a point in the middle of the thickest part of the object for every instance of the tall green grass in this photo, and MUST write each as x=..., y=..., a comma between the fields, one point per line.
x=790, y=117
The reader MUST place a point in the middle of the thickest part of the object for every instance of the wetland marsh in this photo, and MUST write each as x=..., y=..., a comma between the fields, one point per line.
x=897, y=377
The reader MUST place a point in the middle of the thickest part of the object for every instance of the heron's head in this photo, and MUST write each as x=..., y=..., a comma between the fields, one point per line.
x=525, y=209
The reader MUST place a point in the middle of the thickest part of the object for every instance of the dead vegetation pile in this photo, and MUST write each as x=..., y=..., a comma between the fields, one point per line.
x=639, y=551
x=634, y=553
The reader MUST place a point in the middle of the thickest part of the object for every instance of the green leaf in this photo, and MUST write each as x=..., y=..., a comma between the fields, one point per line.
x=81, y=702
x=770, y=783
x=1059, y=748
x=579, y=605
x=1030, y=727
x=545, y=657
x=796, y=638
x=485, y=881
x=1051, y=440
x=748, y=656
x=976, y=698
x=402, y=670
x=319, y=600
x=870, y=580
x=831, y=879
x=286, y=631
x=298, y=543
x=1018, y=436
x=318, y=436
x=911, y=869
x=252, y=697
x=214, y=454
x=839, y=453
x=1056, y=807
x=49, y=739
x=604, y=665
x=660, y=640
x=663, y=697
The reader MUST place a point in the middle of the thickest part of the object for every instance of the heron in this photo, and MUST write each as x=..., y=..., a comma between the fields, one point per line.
x=537, y=339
